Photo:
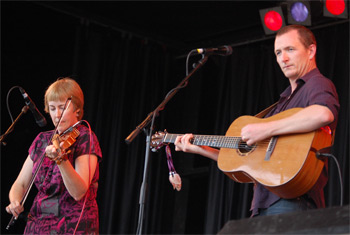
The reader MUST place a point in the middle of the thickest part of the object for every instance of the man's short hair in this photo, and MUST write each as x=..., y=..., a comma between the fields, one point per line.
x=306, y=37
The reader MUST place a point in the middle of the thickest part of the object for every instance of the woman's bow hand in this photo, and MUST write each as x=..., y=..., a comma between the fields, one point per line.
x=15, y=208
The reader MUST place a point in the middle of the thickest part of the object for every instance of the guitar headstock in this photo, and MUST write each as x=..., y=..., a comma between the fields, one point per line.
x=157, y=140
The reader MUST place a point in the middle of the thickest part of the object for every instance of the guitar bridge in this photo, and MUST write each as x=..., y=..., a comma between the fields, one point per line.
x=270, y=148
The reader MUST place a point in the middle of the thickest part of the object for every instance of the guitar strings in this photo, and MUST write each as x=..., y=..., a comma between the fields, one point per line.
x=221, y=141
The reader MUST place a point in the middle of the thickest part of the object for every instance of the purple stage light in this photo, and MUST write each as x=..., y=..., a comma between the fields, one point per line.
x=299, y=12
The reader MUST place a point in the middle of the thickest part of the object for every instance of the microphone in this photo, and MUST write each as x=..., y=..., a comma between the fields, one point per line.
x=39, y=118
x=223, y=50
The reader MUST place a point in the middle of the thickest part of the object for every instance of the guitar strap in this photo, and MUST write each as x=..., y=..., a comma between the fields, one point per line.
x=266, y=111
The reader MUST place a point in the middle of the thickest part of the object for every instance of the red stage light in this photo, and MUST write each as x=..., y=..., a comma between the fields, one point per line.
x=273, y=20
x=335, y=7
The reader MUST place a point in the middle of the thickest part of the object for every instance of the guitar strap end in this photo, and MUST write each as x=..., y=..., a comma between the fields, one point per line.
x=174, y=178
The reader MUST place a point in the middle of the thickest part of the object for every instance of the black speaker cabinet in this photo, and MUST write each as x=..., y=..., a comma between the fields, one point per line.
x=333, y=220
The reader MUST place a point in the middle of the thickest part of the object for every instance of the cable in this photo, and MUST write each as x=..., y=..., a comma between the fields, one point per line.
x=88, y=190
x=187, y=62
x=187, y=59
x=7, y=102
x=328, y=155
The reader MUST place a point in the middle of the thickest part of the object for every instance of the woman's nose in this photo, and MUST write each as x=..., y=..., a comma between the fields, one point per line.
x=58, y=113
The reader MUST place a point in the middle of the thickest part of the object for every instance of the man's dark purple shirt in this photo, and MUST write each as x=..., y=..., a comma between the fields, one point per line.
x=313, y=88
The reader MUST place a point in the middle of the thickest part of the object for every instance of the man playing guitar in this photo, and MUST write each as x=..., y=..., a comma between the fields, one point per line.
x=295, y=50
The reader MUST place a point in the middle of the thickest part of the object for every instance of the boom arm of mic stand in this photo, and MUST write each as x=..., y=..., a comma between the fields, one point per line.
x=2, y=137
x=137, y=130
x=161, y=106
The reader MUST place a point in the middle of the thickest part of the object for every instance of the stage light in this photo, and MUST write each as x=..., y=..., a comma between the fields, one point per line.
x=272, y=19
x=336, y=8
x=299, y=13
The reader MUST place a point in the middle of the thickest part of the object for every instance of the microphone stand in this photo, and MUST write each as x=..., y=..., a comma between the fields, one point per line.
x=151, y=116
x=2, y=137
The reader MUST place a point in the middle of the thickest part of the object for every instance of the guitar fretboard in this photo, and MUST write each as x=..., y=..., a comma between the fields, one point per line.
x=217, y=141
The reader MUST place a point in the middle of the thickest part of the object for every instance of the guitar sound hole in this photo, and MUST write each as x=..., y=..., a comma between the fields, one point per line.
x=244, y=149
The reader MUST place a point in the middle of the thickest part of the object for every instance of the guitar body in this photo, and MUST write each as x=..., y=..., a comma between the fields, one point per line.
x=290, y=171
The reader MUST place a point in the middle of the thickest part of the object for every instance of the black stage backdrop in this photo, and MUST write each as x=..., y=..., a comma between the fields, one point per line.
x=124, y=78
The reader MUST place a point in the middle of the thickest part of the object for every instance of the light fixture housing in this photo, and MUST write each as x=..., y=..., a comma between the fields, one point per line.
x=299, y=12
x=272, y=19
x=335, y=8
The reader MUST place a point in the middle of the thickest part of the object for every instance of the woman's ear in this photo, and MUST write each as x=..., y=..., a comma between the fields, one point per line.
x=77, y=112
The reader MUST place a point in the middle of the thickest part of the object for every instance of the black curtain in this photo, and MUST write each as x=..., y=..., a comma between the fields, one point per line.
x=124, y=77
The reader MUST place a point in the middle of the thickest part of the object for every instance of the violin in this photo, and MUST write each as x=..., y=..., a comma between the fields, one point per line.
x=63, y=142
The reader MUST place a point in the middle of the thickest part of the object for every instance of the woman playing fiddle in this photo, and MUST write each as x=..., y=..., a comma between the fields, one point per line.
x=67, y=180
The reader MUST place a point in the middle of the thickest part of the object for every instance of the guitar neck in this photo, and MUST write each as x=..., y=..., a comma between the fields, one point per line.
x=217, y=141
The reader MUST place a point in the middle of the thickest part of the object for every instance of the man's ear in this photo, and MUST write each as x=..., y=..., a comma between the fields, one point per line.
x=312, y=49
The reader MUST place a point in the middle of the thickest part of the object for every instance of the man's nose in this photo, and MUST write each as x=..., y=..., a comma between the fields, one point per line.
x=284, y=57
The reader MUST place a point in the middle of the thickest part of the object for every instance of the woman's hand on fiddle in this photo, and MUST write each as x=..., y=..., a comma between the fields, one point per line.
x=15, y=208
x=51, y=152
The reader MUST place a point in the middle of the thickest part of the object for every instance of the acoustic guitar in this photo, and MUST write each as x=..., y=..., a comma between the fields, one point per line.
x=286, y=165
